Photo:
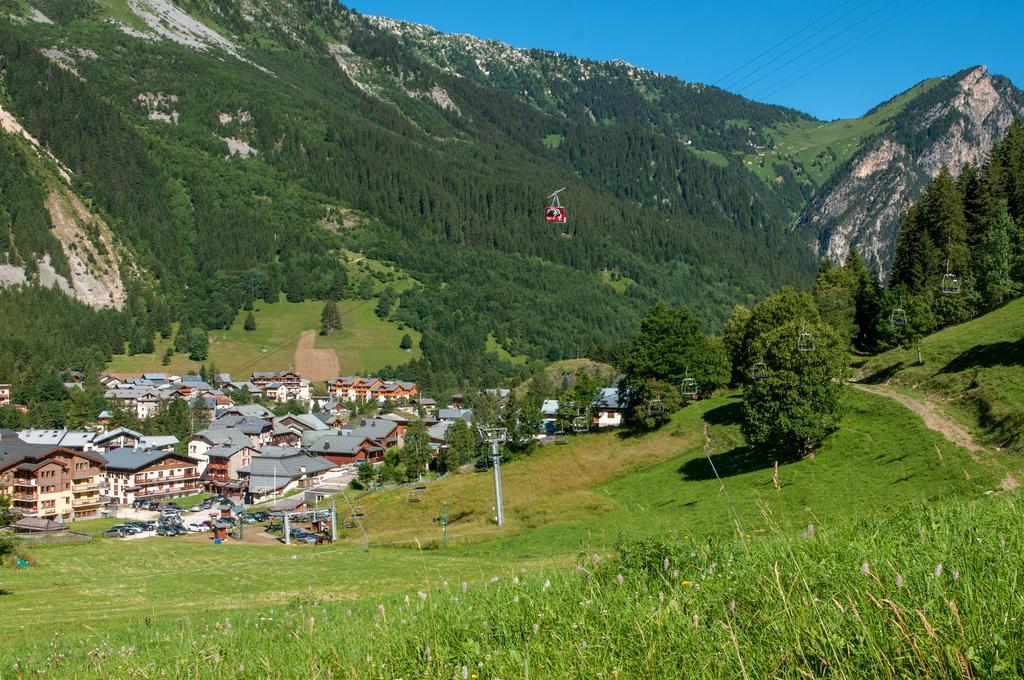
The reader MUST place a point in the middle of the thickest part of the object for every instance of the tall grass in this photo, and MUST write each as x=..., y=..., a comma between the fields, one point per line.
x=925, y=593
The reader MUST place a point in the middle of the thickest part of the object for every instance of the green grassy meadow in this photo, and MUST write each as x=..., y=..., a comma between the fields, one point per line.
x=974, y=370
x=366, y=343
x=820, y=148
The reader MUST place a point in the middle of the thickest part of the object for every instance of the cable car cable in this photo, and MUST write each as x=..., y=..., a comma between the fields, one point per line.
x=780, y=43
x=816, y=46
x=783, y=54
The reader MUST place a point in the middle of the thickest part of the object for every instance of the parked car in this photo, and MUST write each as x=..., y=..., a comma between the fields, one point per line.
x=299, y=533
x=196, y=527
x=195, y=508
x=114, y=532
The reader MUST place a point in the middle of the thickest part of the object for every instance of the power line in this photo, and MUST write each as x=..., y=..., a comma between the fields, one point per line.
x=874, y=33
x=816, y=46
x=781, y=42
x=783, y=54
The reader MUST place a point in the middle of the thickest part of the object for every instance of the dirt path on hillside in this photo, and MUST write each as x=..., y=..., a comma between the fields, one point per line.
x=933, y=418
x=315, y=364
x=937, y=421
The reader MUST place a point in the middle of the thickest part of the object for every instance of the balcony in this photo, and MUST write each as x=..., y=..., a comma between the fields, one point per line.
x=87, y=501
x=24, y=482
x=21, y=496
x=85, y=486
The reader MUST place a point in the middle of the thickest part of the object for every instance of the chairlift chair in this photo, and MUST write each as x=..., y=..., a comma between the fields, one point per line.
x=805, y=342
x=689, y=387
x=898, y=318
x=759, y=370
x=580, y=424
x=655, y=407
x=950, y=284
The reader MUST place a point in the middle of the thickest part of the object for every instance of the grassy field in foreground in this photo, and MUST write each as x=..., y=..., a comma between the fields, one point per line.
x=365, y=343
x=976, y=369
x=924, y=593
x=599, y=487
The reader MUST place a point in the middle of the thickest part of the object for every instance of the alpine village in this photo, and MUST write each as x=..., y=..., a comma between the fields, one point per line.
x=337, y=346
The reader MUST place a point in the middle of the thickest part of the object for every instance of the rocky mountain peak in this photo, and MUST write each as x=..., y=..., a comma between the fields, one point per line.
x=954, y=124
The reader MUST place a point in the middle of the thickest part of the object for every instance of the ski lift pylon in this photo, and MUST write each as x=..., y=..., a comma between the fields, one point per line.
x=556, y=211
x=898, y=318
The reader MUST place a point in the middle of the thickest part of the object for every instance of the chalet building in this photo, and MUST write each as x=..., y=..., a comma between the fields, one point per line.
x=143, y=401
x=204, y=440
x=75, y=440
x=117, y=438
x=345, y=449
x=606, y=409
x=360, y=388
x=278, y=470
x=248, y=410
x=382, y=431
x=5, y=394
x=224, y=461
x=135, y=474
x=260, y=431
x=282, y=386
x=50, y=482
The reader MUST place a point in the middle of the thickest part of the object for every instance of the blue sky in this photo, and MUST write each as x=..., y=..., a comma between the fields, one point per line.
x=872, y=50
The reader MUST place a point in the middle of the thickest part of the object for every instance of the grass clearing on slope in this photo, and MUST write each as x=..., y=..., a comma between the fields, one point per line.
x=925, y=593
x=976, y=369
x=366, y=343
x=820, y=148
x=600, y=487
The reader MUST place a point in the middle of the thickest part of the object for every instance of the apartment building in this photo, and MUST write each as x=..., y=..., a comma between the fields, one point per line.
x=50, y=482
x=138, y=474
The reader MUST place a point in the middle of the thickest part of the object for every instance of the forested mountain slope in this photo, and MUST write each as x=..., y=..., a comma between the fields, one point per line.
x=236, y=149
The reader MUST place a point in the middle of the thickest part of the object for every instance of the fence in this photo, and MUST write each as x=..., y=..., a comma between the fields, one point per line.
x=60, y=538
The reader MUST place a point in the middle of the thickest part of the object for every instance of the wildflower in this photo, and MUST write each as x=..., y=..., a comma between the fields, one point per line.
x=465, y=586
x=515, y=599
x=580, y=569
x=1002, y=542
x=547, y=584
x=864, y=569
x=406, y=600
x=687, y=583
x=465, y=673
x=536, y=628
x=596, y=558
x=675, y=573
x=899, y=580
x=515, y=580
x=661, y=596
x=380, y=609
x=619, y=579
x=956, y=574
x=426, y=653
x=422, y=595
x=494, y=579
x=696, y=621
x=665, y=564
x=732, y=607
x=938, y=570
x=810, y=530
x=348, y=613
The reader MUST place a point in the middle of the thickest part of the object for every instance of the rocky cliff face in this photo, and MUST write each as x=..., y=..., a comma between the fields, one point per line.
x=954, y=124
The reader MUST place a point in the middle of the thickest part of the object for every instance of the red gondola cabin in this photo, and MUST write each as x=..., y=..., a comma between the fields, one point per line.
x=555, y=213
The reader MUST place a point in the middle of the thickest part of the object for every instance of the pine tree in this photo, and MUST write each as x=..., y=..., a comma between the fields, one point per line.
x=250, y=322
x=915, y=253
x=994, y=254
x=198, y=344
x=330, y=318
x=339, y=284
x=406, y=343
x=942, y=216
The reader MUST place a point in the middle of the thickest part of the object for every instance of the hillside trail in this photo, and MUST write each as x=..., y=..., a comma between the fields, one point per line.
x=939, y=422
x=315, y=364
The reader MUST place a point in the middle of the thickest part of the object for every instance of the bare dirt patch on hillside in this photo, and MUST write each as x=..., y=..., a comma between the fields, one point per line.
x=315, y=364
